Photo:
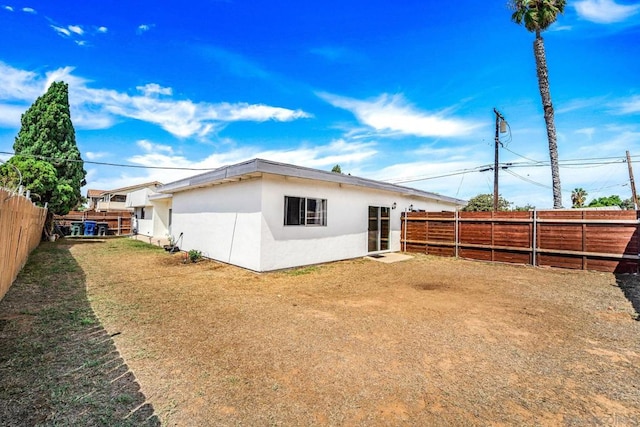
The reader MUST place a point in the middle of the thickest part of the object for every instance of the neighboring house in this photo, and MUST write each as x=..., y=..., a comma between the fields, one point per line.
x=93, y=197
x=114, y=200
x=152, y=212
x=263, y=215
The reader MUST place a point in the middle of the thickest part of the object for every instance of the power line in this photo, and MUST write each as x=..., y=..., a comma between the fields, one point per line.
x=569, y=163
x=120, y=165
x=530, y=181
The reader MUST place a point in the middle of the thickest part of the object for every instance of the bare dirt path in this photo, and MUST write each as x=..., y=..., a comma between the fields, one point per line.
x=429, y=341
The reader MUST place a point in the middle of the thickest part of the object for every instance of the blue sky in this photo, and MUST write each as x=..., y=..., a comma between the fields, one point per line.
x=397, y=92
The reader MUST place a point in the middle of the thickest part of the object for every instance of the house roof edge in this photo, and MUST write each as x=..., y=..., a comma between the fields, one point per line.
x=258, y=165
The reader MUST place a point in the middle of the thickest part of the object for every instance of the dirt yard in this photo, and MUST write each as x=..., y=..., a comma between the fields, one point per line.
x=429, y=341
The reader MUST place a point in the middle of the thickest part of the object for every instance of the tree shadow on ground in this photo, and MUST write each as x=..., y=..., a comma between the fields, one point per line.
x=630, y=286
x=58, y=365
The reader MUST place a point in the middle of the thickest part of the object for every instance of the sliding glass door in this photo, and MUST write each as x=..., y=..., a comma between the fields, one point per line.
x=379, y=226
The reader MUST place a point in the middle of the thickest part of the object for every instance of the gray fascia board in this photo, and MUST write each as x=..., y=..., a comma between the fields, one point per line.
x=282, y=169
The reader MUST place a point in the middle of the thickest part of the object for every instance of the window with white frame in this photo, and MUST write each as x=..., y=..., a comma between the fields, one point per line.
x=305, y=211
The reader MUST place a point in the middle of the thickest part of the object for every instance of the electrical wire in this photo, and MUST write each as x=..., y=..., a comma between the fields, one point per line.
x=568, y=163
x=524, y=157
x=530, y=181
x=121, y=165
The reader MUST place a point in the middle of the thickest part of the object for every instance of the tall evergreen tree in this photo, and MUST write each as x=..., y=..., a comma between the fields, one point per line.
x=47, y=135
x=537, y=16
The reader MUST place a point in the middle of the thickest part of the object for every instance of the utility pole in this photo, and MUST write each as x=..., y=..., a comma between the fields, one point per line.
x=633, y=183
x=499, y=120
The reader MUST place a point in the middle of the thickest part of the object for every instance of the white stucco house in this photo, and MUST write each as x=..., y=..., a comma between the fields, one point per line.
x=151, y=211
x=263, y=215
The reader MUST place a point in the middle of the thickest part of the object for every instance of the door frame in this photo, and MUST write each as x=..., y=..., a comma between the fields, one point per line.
x=381, y=223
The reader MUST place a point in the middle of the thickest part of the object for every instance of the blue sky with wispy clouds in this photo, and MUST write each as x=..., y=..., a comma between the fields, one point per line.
x=397, y=92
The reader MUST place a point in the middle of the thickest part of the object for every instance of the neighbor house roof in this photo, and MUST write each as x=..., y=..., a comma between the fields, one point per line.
x=94, y=193
x=257, y=167
x=123, y=190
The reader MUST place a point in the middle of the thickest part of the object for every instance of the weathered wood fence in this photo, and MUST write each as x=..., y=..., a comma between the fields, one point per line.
x=21, y=226
x=119, y=222
x=578, y=239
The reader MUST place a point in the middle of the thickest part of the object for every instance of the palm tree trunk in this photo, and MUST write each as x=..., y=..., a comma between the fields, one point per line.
x=545, y=93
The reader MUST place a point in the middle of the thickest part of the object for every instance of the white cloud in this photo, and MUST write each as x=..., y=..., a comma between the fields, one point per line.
x=19, y=85
x=588, y=132
x=10, y=115
x=102, y=29
x=151, y=147
x=605, y=11
x=143, y=28
x=62, y=31
x=579, y=104
x=431, y=151
x=392, y=114
x=77, y=29
x=9, y=8
x=556, y=28
x=321, y=156
x=29, y=10
x=101, y=108
x=154, y=88
x=90, y=155
x=71, y=31
x=629, y=106
x=258, y=113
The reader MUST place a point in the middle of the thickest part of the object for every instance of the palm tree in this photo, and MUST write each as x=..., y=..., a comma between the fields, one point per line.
x=537, y=16
x=578, y=197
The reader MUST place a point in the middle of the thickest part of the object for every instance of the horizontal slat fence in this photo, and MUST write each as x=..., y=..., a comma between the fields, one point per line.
x=578, y=239
x=21, y=226
x=119, y=222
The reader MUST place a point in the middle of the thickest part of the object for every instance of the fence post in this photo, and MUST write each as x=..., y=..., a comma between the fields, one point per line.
x=534, y=237
x=403, y=222
x=119, y=224
x=456, y=238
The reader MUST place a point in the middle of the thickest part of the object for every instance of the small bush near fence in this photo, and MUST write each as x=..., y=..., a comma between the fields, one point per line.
x=21, y=224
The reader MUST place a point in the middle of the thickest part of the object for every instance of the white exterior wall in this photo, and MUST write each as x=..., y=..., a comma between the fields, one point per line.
x=223, y=221
x=156, y=221
x=242, y=223
x=138, y=198
x=145, y=227
x=346, y=233
x=161, y=218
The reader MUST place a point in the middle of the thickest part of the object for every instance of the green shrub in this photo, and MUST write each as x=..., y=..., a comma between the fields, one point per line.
x=195, y=255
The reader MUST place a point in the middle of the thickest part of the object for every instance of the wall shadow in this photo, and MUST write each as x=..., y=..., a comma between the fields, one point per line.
x=629, y=284
x=58, y=365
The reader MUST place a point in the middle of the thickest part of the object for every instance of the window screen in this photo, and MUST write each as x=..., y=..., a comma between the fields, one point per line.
x=304, y=211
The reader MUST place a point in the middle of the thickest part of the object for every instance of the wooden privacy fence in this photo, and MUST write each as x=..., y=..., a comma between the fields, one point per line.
x=599, y=240
x=21, y=226
x=119, y=222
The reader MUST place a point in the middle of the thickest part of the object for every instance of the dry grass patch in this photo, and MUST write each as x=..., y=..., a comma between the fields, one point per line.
x=428, y=341
x=58, y=366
